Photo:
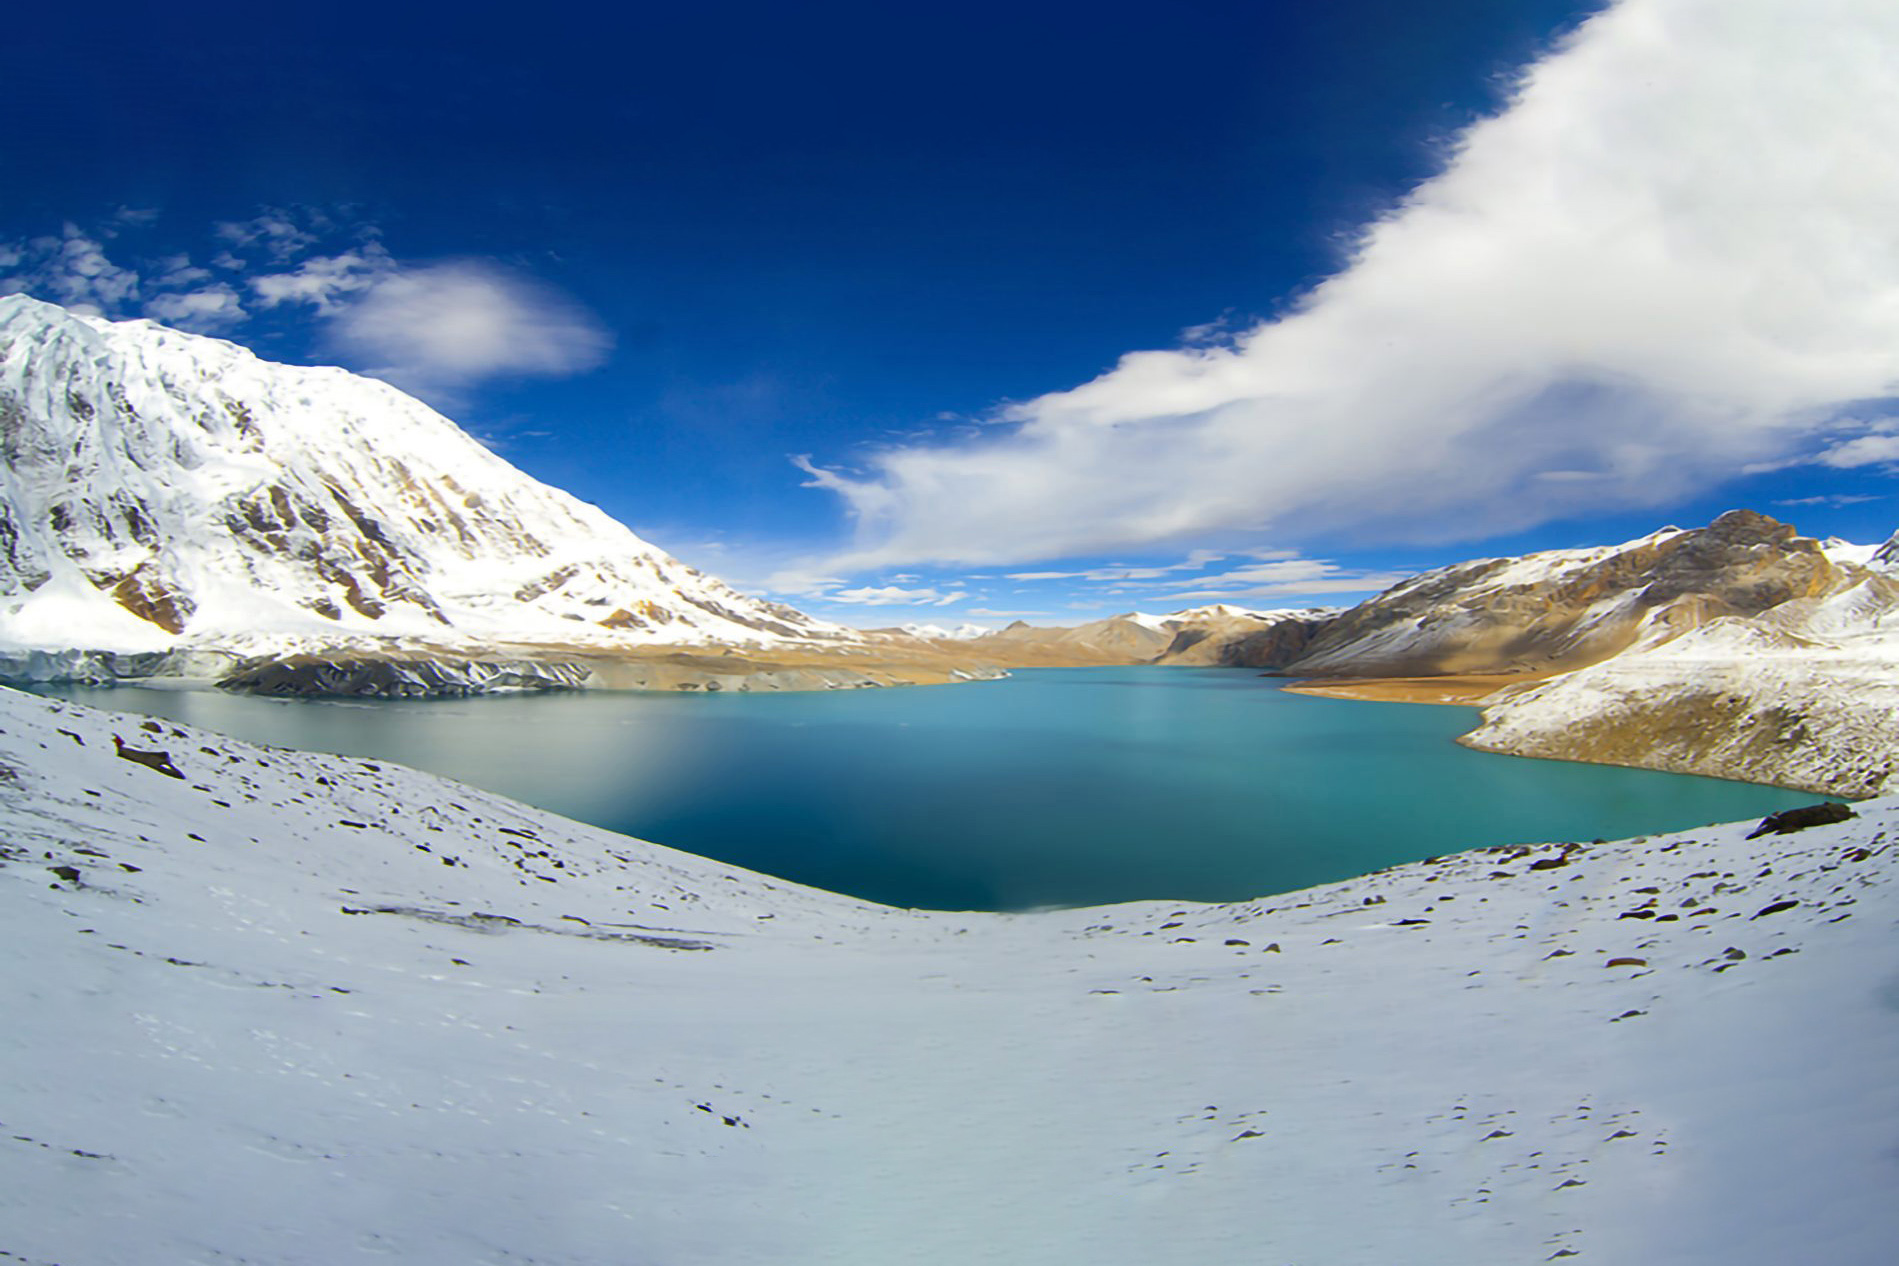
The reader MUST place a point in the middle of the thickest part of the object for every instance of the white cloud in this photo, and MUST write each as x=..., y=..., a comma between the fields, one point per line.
x=210, y=309
x=1867, y=450
x=894, y=596
x=1194, y=561
x=437, y=327
x=431, y=328
x=177, y=270
x=1830, y=499
x=1282, y=577
x=69, y=268
x=1284, y=572
x=1669, y=257
x=276, y=230
x=1362, y=582
x=326, y=282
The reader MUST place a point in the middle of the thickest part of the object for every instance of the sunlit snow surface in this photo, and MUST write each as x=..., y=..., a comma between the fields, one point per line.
x=302, y=1008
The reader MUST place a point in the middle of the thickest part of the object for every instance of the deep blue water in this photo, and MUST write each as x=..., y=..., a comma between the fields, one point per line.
x=1054, y=787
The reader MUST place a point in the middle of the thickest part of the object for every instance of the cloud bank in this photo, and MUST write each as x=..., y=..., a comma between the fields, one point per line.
x=1670, y=257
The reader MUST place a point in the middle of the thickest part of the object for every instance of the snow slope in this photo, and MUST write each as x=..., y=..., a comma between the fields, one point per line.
x=163, y=489
x=1801, y=698
x=302, y=1008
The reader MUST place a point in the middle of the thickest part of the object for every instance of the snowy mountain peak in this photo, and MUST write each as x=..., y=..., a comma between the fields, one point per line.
x=1886, y=555
x=163, y=488
x=939, y=632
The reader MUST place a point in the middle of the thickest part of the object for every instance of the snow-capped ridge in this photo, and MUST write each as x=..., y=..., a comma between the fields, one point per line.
x=163, y=488
x=938, y=632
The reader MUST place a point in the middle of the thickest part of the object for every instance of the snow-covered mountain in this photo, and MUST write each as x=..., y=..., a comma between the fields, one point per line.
x=942, y=633
x=1562, y=609
x=1739, y=650
x=1804, y=694
x=300, y=1008
x=163, y=489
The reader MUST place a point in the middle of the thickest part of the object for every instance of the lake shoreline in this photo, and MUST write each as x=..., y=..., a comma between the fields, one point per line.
x=1094, y=786
x=1459, y=689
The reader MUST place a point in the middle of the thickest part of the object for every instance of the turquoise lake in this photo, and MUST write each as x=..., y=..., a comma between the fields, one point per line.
x=1054, y=787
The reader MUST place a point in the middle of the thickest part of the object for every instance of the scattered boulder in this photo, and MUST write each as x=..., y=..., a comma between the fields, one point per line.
x=158, y=761
x=1789, y=820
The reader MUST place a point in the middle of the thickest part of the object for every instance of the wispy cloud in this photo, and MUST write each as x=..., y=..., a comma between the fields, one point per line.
x=277, y=230
x=439, y=327
x=1194, y=561
x=434, y=328
x=893, y=596
x=1349, y=583
x=1830, y=499
x=328, y=283
x=1865, y=450
x=69, y=268
x=215, y=307
x=1670, y=256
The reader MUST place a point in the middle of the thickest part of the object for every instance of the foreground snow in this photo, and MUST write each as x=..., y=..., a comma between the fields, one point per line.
x=311, y=1008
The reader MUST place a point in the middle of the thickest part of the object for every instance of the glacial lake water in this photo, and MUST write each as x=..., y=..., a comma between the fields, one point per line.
x=1054, y=787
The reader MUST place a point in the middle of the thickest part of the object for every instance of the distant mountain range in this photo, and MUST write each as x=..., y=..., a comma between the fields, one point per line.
x=164, y=490
x=1741, y=649
x=171, y=504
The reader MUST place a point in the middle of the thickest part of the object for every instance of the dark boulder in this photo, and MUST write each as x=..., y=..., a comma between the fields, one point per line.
x=1790, y=820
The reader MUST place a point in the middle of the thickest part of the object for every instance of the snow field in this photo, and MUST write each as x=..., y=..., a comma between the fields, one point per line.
x=304, y=1008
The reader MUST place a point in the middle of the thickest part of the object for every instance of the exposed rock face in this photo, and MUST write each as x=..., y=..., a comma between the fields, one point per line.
x=1217, y=636
x=403, y=678
x=99, y=668
x=1120, y=639
x=1568, y=608
x=1246, y=642
x=162, y=489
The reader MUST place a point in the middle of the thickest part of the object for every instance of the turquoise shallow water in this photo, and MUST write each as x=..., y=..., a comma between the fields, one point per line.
x=1054, y=787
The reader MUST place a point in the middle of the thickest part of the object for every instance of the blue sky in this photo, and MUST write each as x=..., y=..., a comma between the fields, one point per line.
x=962, y=313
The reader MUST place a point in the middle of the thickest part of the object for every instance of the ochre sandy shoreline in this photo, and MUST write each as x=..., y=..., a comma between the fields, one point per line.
x=1465, y=689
